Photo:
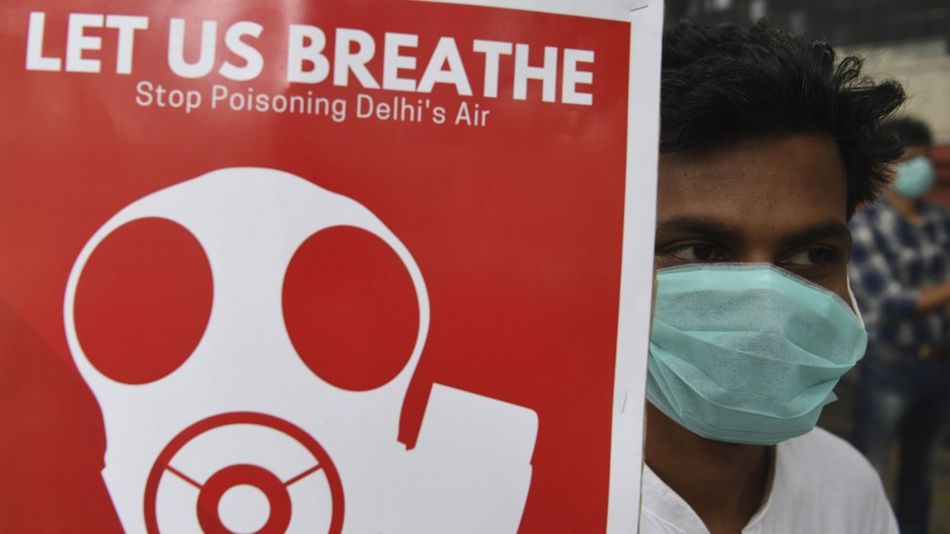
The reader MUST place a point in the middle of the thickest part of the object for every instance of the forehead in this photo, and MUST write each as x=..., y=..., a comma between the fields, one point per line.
x=912, y=151
x=771, y=183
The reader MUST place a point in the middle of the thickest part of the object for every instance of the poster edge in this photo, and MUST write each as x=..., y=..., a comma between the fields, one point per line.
x=616, y=10
x=636, y=297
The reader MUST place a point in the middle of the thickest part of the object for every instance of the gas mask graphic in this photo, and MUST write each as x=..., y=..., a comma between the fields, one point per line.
x=250, y=432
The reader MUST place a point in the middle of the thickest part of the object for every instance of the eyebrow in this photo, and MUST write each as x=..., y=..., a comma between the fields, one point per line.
x=828, y=230
x=729, y=234
x=701, y=225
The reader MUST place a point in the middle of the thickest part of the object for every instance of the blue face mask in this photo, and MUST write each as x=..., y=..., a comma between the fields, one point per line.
x=748, y=353
x=914, y=177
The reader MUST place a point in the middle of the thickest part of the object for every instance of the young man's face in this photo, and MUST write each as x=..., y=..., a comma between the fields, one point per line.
x=779, y=200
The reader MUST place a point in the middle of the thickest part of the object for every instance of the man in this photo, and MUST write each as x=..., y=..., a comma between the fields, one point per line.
x=900, y=268
x=767, y=146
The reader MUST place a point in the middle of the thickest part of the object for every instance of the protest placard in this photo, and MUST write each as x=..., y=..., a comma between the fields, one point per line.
x=325, y=266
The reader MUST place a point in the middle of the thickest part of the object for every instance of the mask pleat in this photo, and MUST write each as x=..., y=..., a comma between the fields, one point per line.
x=748, y=353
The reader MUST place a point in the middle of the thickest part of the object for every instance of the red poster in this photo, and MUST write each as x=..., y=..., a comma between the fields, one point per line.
x=324, y=266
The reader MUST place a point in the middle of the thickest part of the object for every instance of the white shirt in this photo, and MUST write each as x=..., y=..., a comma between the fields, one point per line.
x=819, y=484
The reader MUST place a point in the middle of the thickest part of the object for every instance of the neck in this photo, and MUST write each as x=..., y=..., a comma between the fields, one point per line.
x=907, y=207
x=724, y=483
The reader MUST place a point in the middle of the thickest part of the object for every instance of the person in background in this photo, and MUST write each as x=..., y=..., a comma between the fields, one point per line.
x=768, y=143
x=900, y=269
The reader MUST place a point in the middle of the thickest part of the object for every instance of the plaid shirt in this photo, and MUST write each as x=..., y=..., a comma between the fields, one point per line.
x=891, y=261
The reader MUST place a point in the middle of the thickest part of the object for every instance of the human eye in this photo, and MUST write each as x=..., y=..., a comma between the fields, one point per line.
x=812, y=257
x=694, y=253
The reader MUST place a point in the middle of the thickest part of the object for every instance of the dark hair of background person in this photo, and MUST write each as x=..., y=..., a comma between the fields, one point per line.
x=725, y=84
x=909, y=131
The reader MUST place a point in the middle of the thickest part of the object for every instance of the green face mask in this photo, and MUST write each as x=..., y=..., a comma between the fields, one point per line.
x=748, y=353
x=914, y=177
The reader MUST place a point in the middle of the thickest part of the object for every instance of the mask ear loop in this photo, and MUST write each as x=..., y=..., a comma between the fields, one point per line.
x=854, y=304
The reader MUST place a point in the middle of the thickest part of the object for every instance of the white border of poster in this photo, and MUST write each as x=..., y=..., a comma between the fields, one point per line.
x=636, y=285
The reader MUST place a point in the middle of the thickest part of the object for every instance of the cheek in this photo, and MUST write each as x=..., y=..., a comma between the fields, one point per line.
x=833, y=278
x=837, y=283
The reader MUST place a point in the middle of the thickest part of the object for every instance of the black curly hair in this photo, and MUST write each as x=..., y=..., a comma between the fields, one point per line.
x=725, y=84
x=909, y=131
